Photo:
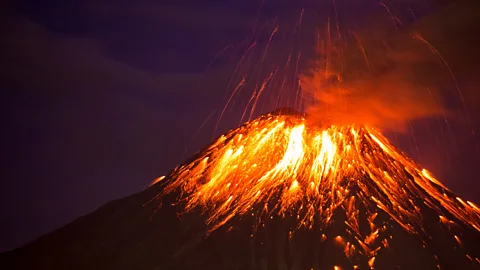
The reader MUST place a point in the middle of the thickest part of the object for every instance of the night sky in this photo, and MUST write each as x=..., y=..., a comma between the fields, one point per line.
x=99, y=98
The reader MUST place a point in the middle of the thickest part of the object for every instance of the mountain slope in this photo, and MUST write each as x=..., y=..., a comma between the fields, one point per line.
x=366, y=224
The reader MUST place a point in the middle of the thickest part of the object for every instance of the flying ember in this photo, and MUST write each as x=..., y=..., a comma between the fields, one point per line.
x=286, y=167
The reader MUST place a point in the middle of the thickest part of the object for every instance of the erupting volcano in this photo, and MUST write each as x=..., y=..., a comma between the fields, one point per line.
x=277, y=193
x=287, y=191
x=280, y=167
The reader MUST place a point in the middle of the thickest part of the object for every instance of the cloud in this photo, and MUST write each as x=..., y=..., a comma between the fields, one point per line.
x=81, y=124
x=387, y=96
x=36, y=58
x=175, y=14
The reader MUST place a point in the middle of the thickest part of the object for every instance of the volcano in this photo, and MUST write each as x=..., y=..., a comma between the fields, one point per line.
x=275, y=193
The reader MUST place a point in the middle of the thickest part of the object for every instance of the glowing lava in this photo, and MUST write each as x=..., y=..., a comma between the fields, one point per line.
x=286, y=167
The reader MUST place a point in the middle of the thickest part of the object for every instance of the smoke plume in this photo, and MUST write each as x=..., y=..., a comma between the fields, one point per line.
x=378, y=86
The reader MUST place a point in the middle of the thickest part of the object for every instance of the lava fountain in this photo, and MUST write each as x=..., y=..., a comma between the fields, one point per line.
x=280, y=166
x=291, y=168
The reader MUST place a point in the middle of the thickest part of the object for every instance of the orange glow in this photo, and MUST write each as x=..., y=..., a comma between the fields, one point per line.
x=371, y=262
x=339, y=241
x=458, y=240
x=157, y=180
x=288, y=167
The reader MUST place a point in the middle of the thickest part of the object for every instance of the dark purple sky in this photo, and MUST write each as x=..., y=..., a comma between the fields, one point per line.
x=101, y=97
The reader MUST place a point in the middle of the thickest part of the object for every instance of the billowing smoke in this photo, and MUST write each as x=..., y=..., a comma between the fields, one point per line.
x=380, y=86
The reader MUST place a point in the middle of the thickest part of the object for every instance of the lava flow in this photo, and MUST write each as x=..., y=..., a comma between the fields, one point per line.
x=289, y=168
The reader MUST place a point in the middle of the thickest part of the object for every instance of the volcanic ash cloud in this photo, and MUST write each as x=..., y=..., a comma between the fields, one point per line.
x=385, y=90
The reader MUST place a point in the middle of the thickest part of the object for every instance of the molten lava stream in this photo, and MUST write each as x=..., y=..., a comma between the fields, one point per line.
x=279, y=166
x=308, y=172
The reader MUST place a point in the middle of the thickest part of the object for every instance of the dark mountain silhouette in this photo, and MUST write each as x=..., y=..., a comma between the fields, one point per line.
x=145, y=232
x=148, y=231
